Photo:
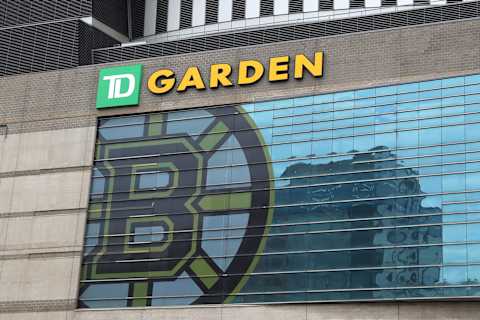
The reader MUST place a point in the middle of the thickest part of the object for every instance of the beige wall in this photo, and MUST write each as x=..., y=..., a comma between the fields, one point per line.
x=366, y=311
x=44, y=181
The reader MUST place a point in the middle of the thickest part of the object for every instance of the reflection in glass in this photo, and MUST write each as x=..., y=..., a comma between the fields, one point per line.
x=364, y=194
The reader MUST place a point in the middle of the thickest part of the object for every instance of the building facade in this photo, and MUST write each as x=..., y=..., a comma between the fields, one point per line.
x=233, y=159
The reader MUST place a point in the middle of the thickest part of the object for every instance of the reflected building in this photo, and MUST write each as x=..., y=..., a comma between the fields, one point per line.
x=368, y=192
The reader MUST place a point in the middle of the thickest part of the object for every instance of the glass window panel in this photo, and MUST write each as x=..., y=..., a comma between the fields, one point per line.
x=430, y=94
x=304, y=110
x=453, y=101
x=453, y=82
x=317, y=117
x=407, y=106
x=474, y=98
x=387, y=100
x=264, y=106
x=407, y=97
x=429, y=113
x=456, y=91
x=453, y=134
x=429, y=104
x=282, y=113
x=323, y=98
x=472, y=132
x=325, y=134
x=430, y=136
x=344, y=105
x=474, y=272
x=473, y=181
x=408, y=87
x=431, y=184
x=453, y=182
x=407, y=125
x=473, y=253
x=454, y=254
x=342, y=96
x=302, y=149
x=281, y=151
x=365, y=93
x=428, y=85
x=472, y=79
x=364, y=143
x=303, y=101
x=407, y=138
x=473, y=232
x=322, y=147
x=454, y=275
x=384, y=91
x=343, y=145
x=364, y=103
x=454, y=233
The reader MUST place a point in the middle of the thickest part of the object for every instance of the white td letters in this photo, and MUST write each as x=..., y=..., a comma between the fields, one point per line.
x=115, y=85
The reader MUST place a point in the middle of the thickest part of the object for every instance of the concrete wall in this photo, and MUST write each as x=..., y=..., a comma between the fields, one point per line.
x=366, y=311
x=44, y=181
x=46, y=156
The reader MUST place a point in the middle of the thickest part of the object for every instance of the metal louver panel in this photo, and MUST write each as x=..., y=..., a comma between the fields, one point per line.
x=186, y=8
x=162, y=16
x=325, y=5
x=138, y=17
x=464, y=10
x=421, y=2
x=211, y=12
x=91, y=38
x=238, y=10
x=295, y=6
x=113, y=13
x=357, y=4
x=39, y=48
x=266, y=8
x=389, y=3
x=16, y=12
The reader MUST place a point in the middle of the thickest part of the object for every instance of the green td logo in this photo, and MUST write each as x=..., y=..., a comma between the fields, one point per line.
x=119, y=86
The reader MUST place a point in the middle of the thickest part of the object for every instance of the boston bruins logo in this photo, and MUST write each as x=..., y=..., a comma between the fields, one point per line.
x=179, y=211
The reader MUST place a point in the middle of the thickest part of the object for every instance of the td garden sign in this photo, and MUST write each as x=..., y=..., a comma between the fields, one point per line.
x=121, y=86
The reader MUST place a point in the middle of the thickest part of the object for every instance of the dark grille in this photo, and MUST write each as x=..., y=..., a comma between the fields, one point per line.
x=325, y=5
x=295, y=6
x=113, y=13
x=90, y=38
x=186, y=7
x=266, y=8
x=389, y=3
x=16, y=12
x=302, y=31
x=211, y=12
x=39, y=48
x=138, y=18
x=162, y=14
x=357, y=4
x=238, y=10
x=421, y=2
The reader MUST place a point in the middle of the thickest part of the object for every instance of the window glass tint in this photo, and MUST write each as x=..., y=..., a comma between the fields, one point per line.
x=364, y=194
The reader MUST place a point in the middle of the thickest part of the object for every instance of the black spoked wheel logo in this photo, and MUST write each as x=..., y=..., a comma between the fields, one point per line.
x=183, y=211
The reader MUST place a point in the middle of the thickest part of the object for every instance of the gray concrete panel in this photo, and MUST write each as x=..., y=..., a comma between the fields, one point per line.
x=45, y=192
x=47, y=150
